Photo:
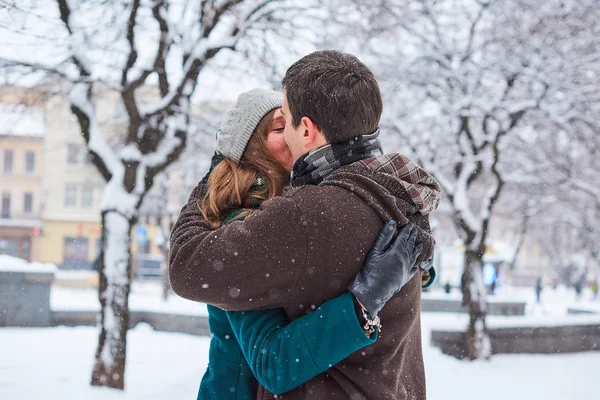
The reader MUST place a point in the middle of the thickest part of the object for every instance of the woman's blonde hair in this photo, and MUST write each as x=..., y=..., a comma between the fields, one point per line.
x=231, y=183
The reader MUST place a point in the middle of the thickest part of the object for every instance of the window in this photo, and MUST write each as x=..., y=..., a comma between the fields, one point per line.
x=29, y=162
x=5, y=205
x=87, y=196
x=8, y=161
x=70, y=196
x=28, y=203
x=16, y=247
x=76, y=253
x=9, y=246
x=72, y=154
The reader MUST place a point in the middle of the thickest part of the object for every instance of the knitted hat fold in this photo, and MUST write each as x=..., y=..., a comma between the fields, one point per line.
x=241, y=120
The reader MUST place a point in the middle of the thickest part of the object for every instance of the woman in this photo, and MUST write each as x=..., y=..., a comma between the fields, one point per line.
x=262, y=346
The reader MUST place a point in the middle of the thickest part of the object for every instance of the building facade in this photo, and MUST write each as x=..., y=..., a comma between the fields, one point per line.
x=22, y=129
x=72, y=191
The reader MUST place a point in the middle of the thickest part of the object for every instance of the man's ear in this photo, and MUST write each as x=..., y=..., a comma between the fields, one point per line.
x=312, y=136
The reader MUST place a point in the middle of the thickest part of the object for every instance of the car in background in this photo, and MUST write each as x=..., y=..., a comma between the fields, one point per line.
x=147, y=266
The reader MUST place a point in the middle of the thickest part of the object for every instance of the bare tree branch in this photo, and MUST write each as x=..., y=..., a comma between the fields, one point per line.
x=163, y=49
x=65, y=16
x=131, y=59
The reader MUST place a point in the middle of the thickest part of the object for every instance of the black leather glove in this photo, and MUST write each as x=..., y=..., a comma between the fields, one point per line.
x=387, y=267
x=216, y=159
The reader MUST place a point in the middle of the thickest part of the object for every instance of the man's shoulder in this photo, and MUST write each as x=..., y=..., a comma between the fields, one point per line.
x=309, y=190
x=315, y=194
x=328, y=202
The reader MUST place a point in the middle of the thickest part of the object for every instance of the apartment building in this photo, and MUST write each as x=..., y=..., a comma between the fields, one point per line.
x=22, y=130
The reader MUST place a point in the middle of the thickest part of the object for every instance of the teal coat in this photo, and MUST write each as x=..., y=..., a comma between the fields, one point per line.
x=262, y=346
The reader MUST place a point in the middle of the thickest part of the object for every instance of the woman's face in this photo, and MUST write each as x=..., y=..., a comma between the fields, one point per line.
x=276, y=144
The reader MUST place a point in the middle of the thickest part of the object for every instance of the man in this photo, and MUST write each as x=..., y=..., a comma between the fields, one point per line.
x=306, y=246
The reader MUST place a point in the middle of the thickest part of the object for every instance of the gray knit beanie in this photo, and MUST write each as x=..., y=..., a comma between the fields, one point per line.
x=242, y=118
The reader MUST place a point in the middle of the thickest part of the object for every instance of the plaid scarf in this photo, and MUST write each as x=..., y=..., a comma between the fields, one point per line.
x=250, y=203
x=423, y=189
x=314, y=166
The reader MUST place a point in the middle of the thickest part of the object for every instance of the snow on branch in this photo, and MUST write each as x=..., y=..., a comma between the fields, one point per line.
x=78, y=41
x=132, y=57
x=586, y=187
x=211, y=13
x=170, y=145
x=164, y=44
x=461, y=200
x=159, y=65
x=473, y=30
x=7, y=64
x=206, y=47
x=103, y=156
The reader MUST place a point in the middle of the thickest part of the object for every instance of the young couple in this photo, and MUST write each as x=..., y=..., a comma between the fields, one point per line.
x=300, y=281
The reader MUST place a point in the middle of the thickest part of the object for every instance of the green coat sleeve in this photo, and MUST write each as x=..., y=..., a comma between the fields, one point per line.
x=283, y=355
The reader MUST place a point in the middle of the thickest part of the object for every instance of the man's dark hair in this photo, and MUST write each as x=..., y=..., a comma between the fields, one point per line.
x=336, y=91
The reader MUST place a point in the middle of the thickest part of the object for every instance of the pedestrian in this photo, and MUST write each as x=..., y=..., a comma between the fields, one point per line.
x=538, y=290
x=578, y=286
x=447, y=287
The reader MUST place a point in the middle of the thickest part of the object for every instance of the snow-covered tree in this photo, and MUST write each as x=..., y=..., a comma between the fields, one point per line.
x=460, y=79
x=580, y=170
x=559, y=154
x=171, y=188
x=572, y=223
x=125, y=46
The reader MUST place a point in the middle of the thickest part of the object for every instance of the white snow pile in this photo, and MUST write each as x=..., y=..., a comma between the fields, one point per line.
x=14, y=264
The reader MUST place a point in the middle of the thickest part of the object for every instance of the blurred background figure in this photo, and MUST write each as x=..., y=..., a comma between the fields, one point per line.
x=447, y=288
x=489, y=277
x=578, y=289
x=538, y=290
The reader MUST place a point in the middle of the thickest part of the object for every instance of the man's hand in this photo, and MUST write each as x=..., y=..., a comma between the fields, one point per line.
x=387, y=268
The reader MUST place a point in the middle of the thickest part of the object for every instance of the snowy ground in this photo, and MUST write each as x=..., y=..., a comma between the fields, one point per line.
x=507, y=377
x=55, y=363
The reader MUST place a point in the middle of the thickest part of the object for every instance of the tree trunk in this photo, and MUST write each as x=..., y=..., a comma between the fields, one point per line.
x=522, y=233
x=114, y=269
x=477, y=343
